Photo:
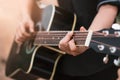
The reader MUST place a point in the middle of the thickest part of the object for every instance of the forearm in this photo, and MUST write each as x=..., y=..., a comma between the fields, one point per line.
x=104, y=18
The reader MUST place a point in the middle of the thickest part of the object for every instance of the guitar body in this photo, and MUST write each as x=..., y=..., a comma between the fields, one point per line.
x=40, y=60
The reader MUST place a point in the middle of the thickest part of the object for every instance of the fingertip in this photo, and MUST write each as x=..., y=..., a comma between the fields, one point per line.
x=82, y=28
x=18, y=41
x=70, y=33
x=31, y=30
x=31, y=27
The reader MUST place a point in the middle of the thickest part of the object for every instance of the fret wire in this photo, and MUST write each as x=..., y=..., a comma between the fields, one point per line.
x=77, y=35
x=60, y=39
x=57, y=33
x=80, y=35
x=109, y=36
x=56, y=42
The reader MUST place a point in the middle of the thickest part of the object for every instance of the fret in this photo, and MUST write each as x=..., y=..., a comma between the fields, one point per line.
x=52, y=38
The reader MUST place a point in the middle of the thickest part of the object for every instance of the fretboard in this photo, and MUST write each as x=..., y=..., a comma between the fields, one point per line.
x=52, y=38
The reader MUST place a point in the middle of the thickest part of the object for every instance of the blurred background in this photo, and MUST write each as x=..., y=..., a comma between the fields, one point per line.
x=9, y=20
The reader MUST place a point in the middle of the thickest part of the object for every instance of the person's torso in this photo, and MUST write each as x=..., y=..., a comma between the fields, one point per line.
x=90, y=61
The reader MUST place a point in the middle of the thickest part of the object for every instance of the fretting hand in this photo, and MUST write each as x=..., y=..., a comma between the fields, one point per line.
x=68, y=45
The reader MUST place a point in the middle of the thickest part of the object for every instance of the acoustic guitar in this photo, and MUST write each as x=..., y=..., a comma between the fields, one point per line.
x=40, y=55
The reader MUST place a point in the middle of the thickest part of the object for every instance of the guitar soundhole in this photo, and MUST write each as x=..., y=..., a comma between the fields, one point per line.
x=30, y=47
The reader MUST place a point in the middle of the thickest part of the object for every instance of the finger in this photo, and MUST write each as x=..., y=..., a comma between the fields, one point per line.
x=27, y=26
x=118, y=72
x=30, y=25
x=18, y=40
x=63, y=44
x=72, y=47
x=19, y=36
x=82, y=28
x=118, y=78
x=24, y=31
x=66, y=39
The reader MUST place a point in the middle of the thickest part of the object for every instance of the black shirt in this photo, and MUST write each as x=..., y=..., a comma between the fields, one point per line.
x=89, y=62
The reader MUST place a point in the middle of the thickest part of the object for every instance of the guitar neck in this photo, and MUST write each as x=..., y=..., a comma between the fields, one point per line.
x=52, y=38
x=100, y=41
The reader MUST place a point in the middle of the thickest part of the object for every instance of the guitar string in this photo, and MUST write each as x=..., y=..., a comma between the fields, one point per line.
x=82, y=40
x=77, y=36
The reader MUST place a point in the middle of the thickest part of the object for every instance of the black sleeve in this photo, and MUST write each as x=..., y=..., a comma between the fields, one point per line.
x=112, y=2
